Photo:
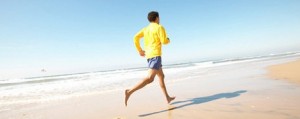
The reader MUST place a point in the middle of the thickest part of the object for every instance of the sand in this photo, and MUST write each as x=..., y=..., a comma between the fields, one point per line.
x=238, y=91
x=288, y=71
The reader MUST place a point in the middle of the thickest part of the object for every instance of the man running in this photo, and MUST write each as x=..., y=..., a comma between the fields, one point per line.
x=154, y=36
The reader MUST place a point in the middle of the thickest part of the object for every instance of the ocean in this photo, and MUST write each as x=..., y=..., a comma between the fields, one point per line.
x=59, y=87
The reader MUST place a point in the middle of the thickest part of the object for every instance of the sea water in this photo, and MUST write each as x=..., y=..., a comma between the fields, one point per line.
x=59, y=87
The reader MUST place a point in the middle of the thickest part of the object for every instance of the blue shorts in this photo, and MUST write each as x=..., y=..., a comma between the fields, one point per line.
x=154, y=63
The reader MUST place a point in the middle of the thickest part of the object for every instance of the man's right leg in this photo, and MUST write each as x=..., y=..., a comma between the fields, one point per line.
x=147, y=80
x=161, y=77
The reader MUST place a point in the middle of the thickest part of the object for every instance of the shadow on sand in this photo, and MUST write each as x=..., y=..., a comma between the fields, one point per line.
x=198, y=100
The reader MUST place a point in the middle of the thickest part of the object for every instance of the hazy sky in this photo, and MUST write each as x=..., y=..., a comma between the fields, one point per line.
x=86, y=35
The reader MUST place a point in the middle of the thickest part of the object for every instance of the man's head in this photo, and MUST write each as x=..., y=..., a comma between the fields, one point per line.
x=153, y=16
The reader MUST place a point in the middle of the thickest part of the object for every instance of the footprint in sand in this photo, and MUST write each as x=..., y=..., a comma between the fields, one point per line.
x=119, y=117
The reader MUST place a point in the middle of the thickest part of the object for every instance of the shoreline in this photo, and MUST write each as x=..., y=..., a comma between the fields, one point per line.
x=240, y=90
x=143, y=66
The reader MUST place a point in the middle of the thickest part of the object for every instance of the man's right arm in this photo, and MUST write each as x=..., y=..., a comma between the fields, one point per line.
x=137, y=39
x=163, y=36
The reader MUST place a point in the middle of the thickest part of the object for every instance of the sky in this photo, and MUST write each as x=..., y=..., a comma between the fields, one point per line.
x=64, y=36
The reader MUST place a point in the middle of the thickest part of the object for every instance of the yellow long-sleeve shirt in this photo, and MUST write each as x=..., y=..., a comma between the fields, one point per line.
x=154, y=36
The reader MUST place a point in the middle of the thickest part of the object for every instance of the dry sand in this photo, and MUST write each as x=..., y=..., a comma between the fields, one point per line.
x=289, y=71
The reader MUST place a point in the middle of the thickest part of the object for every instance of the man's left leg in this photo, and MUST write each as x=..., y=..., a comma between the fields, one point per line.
x=161, y=77
x=147, y=80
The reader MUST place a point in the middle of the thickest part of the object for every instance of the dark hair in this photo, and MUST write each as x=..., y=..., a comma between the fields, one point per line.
x=152, y=16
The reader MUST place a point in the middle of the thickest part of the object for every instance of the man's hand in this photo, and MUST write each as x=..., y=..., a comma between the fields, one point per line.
x=142, y=53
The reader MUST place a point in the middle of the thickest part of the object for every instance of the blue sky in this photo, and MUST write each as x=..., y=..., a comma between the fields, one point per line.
x=74, y=36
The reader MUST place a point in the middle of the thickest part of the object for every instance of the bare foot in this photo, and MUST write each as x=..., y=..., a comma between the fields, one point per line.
x=126, y=96
x=170, y=99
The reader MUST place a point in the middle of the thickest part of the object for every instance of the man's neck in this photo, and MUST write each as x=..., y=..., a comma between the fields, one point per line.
x=154, y=22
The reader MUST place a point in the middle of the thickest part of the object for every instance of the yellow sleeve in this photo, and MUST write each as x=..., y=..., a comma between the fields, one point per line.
x=137, y=38
x=163, y=36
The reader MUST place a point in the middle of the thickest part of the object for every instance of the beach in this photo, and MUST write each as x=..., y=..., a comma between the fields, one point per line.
x=235, y=89
x=287, y=71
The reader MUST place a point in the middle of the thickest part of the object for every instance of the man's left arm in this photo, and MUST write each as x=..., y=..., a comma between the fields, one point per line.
x=137, y=39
